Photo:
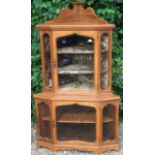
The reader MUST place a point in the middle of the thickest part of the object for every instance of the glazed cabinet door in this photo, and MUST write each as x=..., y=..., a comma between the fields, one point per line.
x=110, y=123
x=44, y=120
x=75, y=122
x=75, y=61
x=47, y=60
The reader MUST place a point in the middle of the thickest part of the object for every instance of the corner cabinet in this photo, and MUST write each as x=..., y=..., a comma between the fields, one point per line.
x=77, y=110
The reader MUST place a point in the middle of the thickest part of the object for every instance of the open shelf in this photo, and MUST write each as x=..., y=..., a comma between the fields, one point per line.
x=77, y=118
x=75, y=69
x=83, y=132
x=75, y=114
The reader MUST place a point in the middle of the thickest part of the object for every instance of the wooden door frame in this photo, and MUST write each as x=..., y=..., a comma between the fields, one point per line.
x=92, y=34
x=76, y=142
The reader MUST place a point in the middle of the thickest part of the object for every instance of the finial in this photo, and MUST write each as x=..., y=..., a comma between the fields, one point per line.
x=78, y=4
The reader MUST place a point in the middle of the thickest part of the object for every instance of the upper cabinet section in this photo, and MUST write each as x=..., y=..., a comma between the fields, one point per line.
x=76, y=52
x=76, y=18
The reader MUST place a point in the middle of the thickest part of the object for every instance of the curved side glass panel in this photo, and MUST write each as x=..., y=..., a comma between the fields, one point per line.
x=108, y=124
x=44, y=120
x=75, y=62
x=104, y=60
x=48, y=68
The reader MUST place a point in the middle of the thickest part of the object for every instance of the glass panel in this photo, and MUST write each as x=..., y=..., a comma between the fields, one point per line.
x=104, y=60
x=48, y=69
x=75, y=122
x=75, y=62
x=44, y=120
x=108, y=123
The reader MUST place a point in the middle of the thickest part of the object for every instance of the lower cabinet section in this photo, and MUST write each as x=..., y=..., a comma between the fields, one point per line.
x=92, y=126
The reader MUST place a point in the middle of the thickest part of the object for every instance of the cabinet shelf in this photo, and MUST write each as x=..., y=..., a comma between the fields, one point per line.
x=69, y=118
x=107, y=119
x=81, y=118
x=75, y=69
x=75, y=50
x=46, y=118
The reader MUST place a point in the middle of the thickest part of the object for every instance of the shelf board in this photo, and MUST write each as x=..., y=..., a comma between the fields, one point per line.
x=46, y=118
x=108, y=119
x=76, y=85
x=78, y=118
x=74, y=50
x=75, y=69
x=75, y=72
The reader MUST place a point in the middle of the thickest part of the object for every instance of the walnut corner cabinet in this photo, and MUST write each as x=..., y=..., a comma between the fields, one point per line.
x=77, y=110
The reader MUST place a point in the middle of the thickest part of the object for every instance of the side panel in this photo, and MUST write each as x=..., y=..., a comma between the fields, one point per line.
x=105, y=61
x=44, y=117
x=110, y=122
x=47, y=60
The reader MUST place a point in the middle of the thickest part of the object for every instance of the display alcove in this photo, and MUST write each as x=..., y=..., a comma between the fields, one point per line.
x=77, y=110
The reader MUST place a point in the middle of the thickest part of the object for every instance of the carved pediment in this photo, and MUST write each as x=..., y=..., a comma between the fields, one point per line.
x=78, y=16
